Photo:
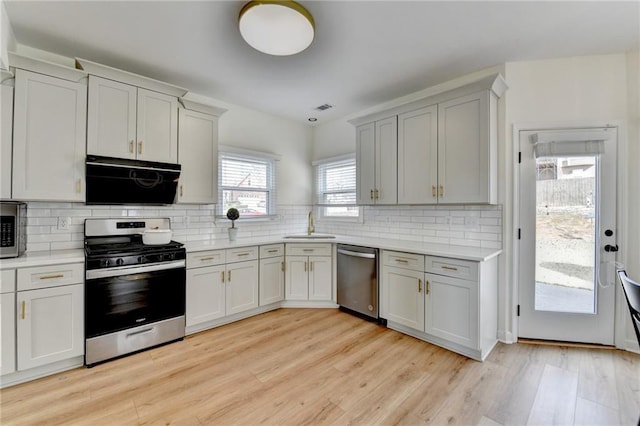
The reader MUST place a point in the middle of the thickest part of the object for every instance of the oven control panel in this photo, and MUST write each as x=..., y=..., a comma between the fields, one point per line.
x=114, y=260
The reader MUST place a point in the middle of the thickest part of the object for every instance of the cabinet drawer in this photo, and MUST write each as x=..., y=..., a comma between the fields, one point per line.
x=308, y=249
x=414, y=262
x=7, y=281
x=465, y=269
x=50, y=276
x=205, y=258
x=272, y=250
x=243, y=253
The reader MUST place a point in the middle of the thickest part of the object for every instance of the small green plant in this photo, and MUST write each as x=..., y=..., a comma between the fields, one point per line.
x=233, y=214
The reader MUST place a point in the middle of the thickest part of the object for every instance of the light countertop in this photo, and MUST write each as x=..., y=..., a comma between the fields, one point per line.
x=43, y=258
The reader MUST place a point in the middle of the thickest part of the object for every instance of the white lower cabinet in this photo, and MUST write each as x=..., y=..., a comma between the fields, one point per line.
x=271, y=274
x=221, y=283
x=205, y=294
x=449, y=302
x=308, y=272
x=402, y=289
x=452, y=309
x=50, y=325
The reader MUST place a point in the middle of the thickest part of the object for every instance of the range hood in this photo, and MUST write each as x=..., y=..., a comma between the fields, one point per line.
x=122, y=181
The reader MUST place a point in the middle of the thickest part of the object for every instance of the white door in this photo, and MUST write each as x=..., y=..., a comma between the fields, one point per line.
x=8, y=333
x=50, y=325
x=111, y=118
x=205, y=294
x=365, y=163
x=567, y=216
x=157, y=128
x=242, y=286
x=386, y=135
x=402, y=296
x=320, y=283
x=297, y=278
x=6, y=132
x=271, y=280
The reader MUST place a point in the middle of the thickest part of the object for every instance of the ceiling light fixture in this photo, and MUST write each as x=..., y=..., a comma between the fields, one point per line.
x=279, y=28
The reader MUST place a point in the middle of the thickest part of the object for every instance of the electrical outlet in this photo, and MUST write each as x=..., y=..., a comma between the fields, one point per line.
x=63, y=223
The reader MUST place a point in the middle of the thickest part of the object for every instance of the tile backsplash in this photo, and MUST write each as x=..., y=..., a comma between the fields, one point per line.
x=477, y=226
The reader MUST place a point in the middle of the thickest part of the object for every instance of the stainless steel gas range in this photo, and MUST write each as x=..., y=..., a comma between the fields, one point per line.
x=134, y=293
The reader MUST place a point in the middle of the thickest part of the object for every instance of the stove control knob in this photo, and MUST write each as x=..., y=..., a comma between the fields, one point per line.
x=104, y=263
x=169, y=256
x=142, y=259
x=119, y=261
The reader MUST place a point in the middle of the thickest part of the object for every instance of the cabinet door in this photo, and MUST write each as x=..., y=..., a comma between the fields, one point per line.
x=320, y=282
x=418, y=156
x=49, y=138
x=463, y=149
x=205, y=294
x=297, y=278
x=271, y=280
x=242, y=286
x=386, y=161
x=50, y=325
x=365, y=163
x=157, y=128
x=6, y=132
x=402, y=297
x=198, y=155
x=7, y=333
x=452, y=309
x=111, y=118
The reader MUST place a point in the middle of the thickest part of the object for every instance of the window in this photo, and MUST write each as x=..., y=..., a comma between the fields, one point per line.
x=335, y=187
x=246, y=182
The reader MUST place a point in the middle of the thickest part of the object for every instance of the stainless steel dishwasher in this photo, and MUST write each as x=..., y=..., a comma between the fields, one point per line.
x=358, y=280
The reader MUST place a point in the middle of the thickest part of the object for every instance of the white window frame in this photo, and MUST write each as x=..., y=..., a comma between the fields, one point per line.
x=250, y=156
x=319, y=205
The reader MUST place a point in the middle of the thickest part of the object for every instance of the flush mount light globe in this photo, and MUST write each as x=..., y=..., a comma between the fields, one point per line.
x=279, y=28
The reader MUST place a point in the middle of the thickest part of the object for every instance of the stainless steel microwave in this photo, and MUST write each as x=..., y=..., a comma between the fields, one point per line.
x=13, y=220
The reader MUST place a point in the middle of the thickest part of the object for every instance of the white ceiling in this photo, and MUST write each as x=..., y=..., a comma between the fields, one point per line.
x=365, y=53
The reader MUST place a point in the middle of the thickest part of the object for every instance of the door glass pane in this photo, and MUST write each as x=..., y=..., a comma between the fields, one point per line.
x=565, y=234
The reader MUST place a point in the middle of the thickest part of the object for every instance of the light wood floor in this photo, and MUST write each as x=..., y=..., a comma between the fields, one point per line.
x=322, y=366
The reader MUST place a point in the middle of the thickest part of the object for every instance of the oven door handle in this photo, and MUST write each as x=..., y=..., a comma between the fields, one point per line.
x=130, y=270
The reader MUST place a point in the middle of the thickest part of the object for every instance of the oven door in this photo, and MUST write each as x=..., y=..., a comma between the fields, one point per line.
x=120, y=299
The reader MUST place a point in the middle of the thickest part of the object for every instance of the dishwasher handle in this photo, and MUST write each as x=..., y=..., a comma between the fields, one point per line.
x=357, y=254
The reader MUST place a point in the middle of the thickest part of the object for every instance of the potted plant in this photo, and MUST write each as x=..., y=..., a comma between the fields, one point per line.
x=233, y=214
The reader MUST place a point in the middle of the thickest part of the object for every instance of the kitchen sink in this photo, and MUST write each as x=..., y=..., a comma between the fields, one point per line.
x=309, y=237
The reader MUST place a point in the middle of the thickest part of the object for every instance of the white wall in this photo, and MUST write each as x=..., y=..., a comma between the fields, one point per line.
x=562, y=91
x=7, y=39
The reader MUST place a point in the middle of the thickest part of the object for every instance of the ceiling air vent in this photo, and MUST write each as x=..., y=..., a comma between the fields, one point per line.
x=323, y=107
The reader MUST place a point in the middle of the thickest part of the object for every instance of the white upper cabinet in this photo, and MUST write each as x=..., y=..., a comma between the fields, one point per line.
x=467, y=149
x=129, y=122
x=198, y=155
x=445, y=149
x=376, y=159
x=6, y=133
x=418, y=156
x=49, y=138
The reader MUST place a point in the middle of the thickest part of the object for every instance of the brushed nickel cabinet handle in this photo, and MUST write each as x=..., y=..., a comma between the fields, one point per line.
x=310, y=266
x=222, y=276
x=242, y=254
x=405, y=261
x=272, y=251
x=131, y=142
x=307, y=250
x=427, y=288
x=204, y=259
x=23, y=312
x=140, y=147
x=51, y=277
x=229, y=277
x=451, y=268
x=419, y=286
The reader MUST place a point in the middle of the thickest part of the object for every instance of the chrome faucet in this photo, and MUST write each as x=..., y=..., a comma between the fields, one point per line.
x=310, y=227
